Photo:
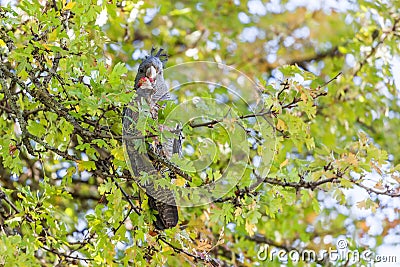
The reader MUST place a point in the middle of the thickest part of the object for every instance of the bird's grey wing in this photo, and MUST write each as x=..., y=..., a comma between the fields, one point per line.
x=139, y=162
x=173, y=145
x=177, y=145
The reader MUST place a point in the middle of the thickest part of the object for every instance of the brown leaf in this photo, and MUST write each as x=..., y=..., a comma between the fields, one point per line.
x=281, y=125
x=11, y=149
x=203, y=245
x=376, y=168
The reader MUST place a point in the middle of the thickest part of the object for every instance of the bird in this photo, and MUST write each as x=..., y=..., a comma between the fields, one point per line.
x=150, y=90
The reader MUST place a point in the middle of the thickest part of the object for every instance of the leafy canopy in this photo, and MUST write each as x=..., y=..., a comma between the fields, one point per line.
x=328, y=84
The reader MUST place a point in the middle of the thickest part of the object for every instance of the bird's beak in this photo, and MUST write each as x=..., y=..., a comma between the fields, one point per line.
x=151, y=73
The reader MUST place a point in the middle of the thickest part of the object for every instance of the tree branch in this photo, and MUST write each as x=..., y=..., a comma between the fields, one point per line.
x=169, y=164
x=196, y=258
x=14, y=106
x=375, y=48
x=47, y=232
x=387, y=191
x=45, y=98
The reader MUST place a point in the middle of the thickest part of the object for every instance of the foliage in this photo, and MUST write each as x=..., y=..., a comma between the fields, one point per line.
x=328, y=89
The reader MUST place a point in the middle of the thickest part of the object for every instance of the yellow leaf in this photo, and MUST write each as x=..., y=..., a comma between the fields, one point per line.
x=118, y=153
x=70, y=5
x=363, y=138
x=86, y=165
x=250, y=228
x=177, y=12
x=351, y=159
x=53, y=36
x=180, y=182
x=238, y=211
x=253, y=205
x=315, y=176
x=373, y=206
x=367, y=204
x=379, y=185
x=284, y=163
x=69, y=212
x=2, y=43
x=304, y=97
x=281, y=125
x=361, y=204
x=71, y=171
x=346, y=183
x=166, y=248
x=46, y=47
x=329, y=174
x=98, y=258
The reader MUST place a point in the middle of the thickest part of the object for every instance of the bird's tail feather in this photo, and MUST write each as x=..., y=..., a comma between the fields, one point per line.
x=167, y=212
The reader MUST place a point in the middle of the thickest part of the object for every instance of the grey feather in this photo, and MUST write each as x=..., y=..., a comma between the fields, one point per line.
x=161, y=200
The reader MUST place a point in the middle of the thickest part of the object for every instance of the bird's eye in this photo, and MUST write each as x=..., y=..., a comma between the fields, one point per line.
x=141, y=70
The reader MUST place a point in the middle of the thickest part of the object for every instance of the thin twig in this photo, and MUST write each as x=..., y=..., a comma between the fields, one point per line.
x=61, y=255
x=331, y=80
x=115, y=230
x=211, y=261
x=386, y=191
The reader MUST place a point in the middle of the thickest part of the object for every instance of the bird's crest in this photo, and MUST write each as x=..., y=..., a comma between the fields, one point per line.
x=163, y=57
